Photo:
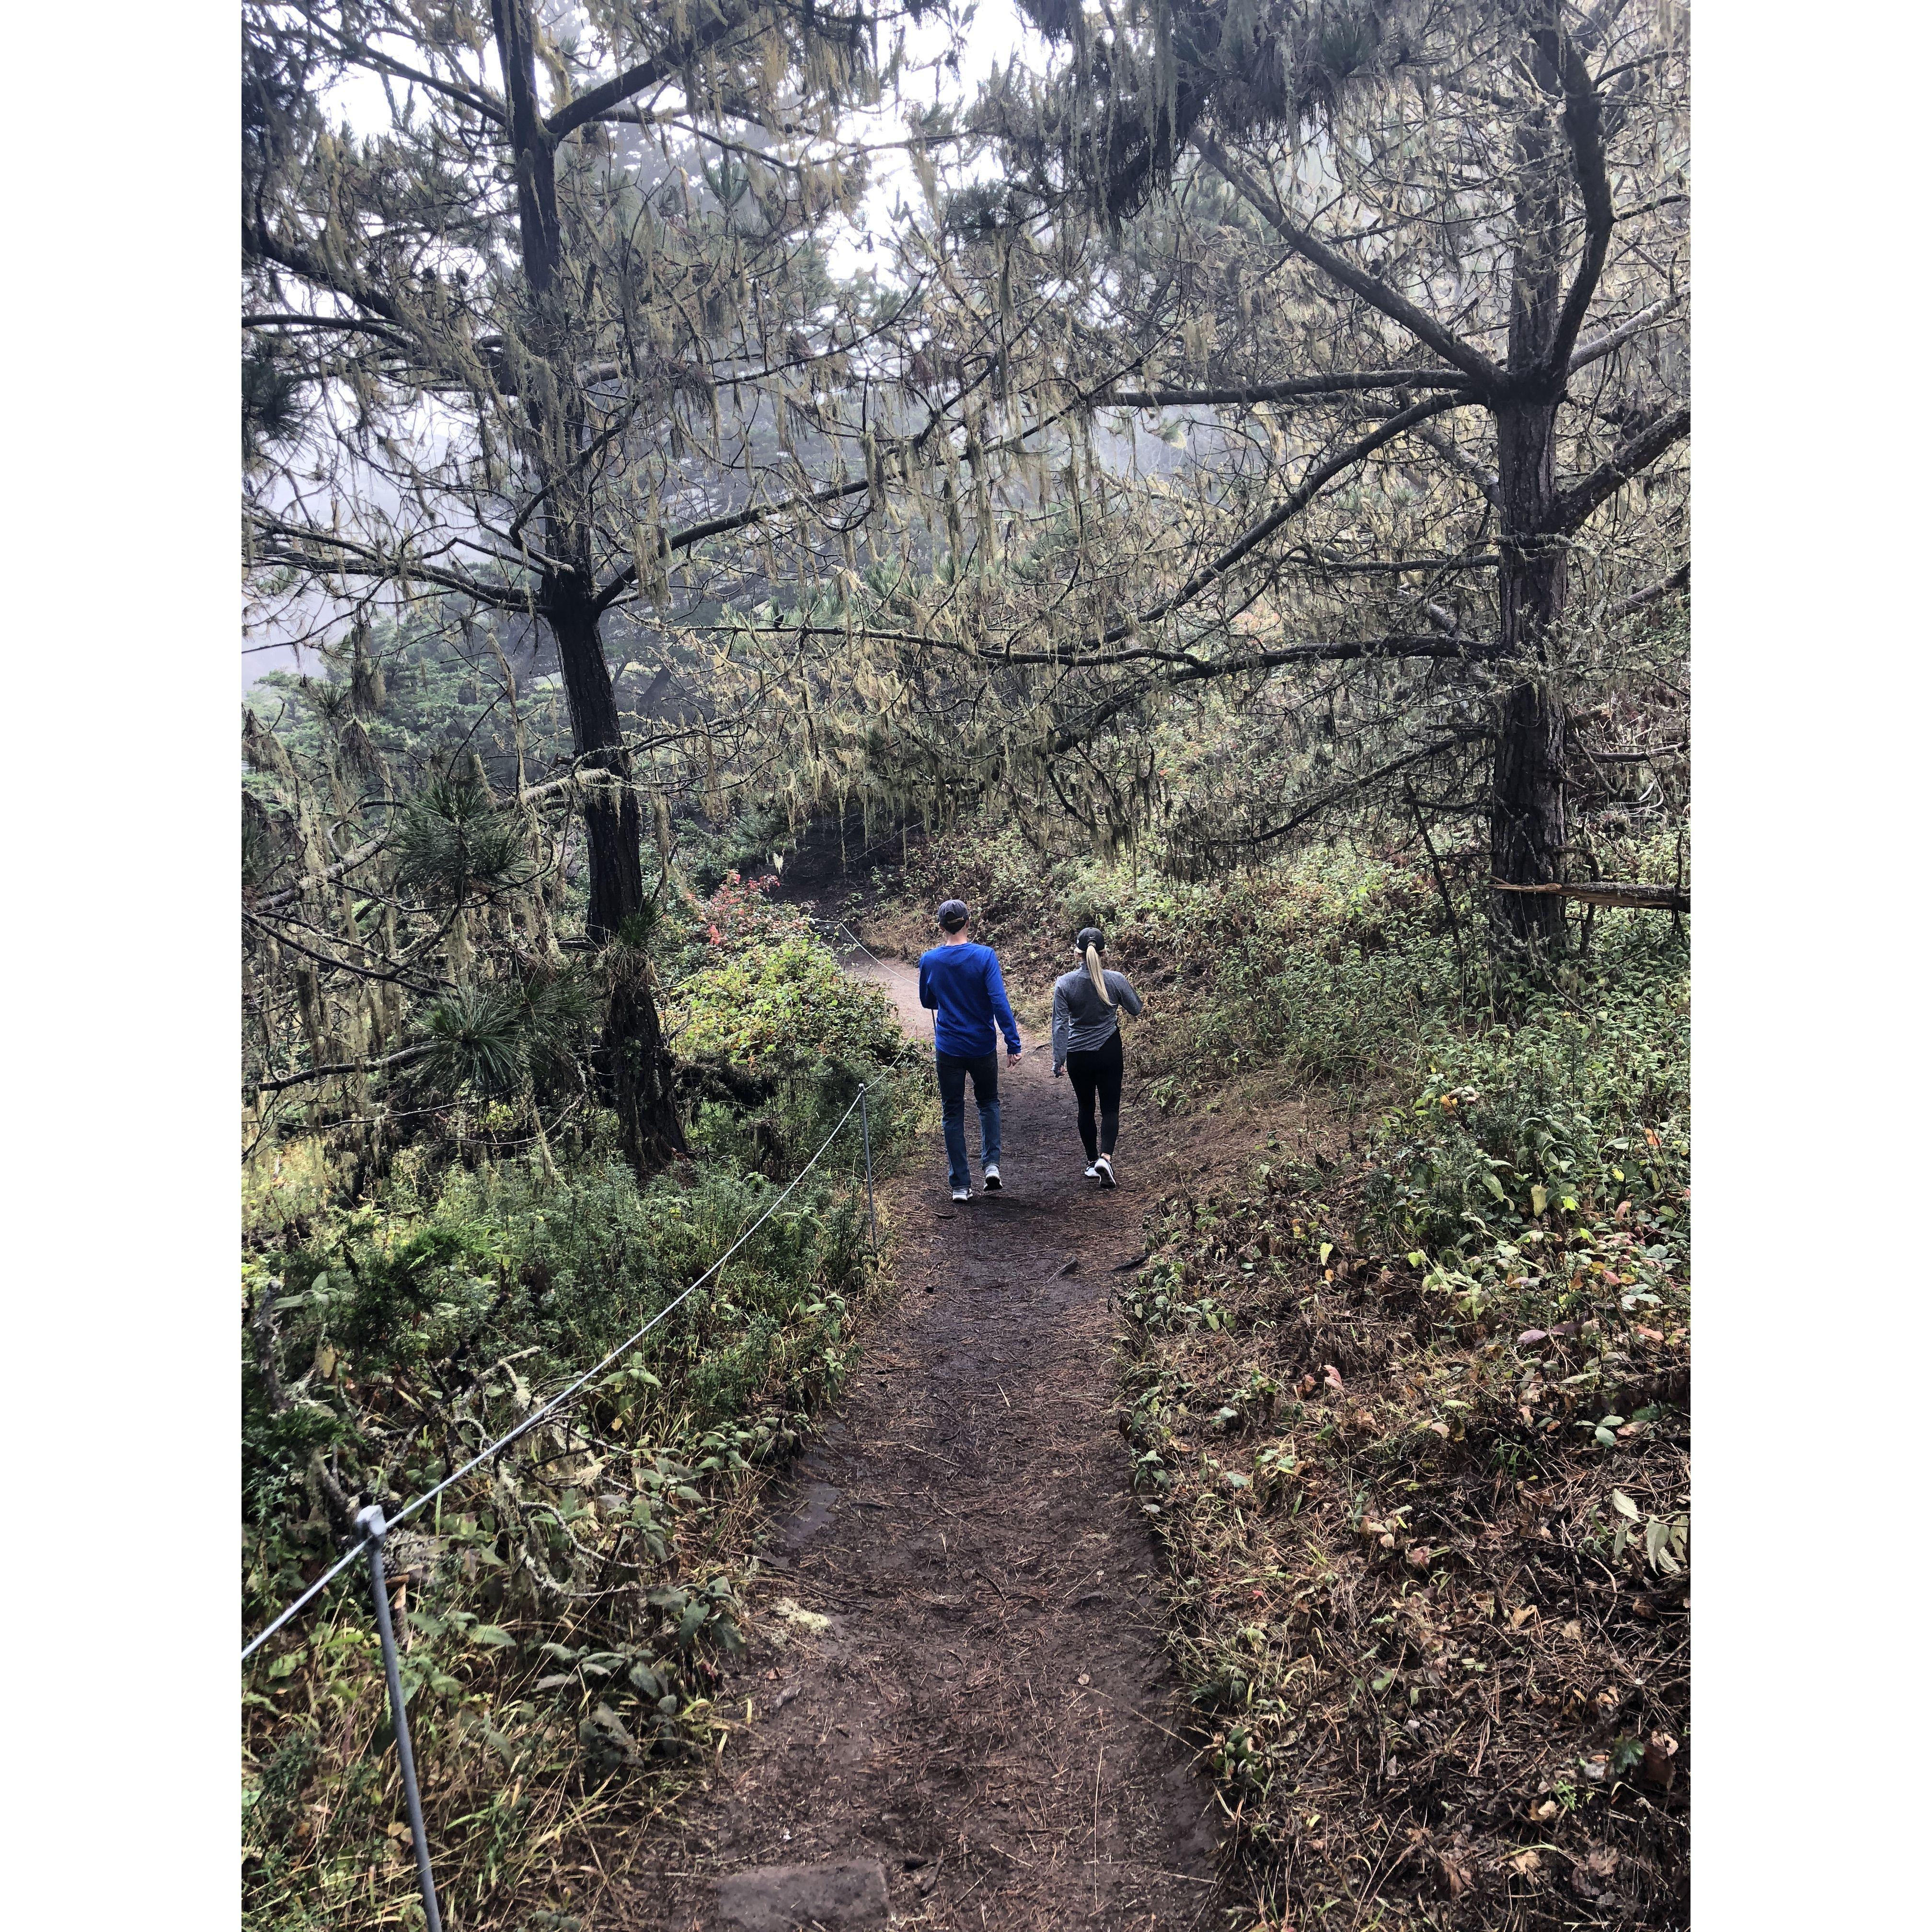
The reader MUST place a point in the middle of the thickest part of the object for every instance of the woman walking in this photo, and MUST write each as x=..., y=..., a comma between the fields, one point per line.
x=1087, y=1005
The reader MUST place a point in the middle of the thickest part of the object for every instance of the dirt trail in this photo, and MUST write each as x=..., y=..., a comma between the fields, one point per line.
x=988, y=1713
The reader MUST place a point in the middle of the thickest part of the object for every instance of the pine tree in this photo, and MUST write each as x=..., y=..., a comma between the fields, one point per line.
x=498, y=345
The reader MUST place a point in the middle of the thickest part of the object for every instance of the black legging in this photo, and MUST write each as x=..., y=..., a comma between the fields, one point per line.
x=1098, y=1072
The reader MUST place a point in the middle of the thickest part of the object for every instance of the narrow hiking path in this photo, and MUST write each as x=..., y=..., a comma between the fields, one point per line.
x=965, y=1716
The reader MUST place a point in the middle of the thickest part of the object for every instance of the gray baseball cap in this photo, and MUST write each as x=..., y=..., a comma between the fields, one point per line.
x=952, y=915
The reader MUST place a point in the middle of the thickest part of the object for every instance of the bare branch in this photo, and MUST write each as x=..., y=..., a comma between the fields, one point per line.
x=719, y=526
x=1348, y=788
x=1297, y=501
x=1459, y=355
x=1679, y=579
x=1582, y=126
x=346, y=556
x=662, y=66
x=259, y=242
x=1459, y=459
x=1169, y=397
x=339, y=1067
x=288, y=895
x=1600, y=346
x=1631, y=459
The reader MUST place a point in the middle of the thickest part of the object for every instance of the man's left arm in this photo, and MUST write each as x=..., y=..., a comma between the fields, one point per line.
x=1003, y=1012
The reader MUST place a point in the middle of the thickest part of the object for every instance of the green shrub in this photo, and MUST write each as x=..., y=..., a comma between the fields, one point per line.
x=760, y=993
x=565, y=1603
x=1577, y=1115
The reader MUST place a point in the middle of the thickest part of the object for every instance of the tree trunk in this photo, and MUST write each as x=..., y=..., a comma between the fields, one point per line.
x=1526, y=807
x=613, y=826
x=637, y=1064
x=1526, y=804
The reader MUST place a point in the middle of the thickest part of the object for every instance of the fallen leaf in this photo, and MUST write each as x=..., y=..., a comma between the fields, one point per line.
x=1332, y=1376
x=1084, y=1679
x=1519, y=1617
x=1530, y=1335
x=1441, y=1429
x=1573, y=1631
x=1659, y=1767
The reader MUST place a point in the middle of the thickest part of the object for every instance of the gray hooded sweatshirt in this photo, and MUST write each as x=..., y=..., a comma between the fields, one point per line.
x=1082, y=1019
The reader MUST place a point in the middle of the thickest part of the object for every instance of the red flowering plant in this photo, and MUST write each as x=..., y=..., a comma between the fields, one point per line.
x=742, y=912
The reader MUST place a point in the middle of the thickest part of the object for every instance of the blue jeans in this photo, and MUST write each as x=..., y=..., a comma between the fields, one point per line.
x=985, y=1072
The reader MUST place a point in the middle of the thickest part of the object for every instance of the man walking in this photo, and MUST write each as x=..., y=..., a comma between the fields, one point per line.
x=960, y=981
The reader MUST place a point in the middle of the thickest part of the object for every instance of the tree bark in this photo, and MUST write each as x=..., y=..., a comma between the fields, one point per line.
x=1527, y=817
x=637, y=1062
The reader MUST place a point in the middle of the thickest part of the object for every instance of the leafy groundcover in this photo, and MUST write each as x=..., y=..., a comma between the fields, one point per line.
x=562, y=1612
x=1413, y=1431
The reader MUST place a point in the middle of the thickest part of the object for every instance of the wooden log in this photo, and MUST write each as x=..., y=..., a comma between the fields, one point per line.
x=1611, y=892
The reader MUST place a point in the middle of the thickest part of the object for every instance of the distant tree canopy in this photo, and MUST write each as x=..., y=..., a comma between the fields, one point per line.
x=1408, y=285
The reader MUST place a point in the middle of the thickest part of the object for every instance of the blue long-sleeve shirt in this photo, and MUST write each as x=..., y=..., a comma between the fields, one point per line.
x=961, y=985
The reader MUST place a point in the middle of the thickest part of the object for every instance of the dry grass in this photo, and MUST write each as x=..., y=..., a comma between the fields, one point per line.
x=1446, y=1690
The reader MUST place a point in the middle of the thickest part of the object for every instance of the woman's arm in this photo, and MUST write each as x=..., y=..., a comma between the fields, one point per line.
x=1124, y=992
x=1061, y=1022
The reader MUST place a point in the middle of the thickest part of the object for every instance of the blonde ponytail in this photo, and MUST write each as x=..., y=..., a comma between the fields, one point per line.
x=1099, y=978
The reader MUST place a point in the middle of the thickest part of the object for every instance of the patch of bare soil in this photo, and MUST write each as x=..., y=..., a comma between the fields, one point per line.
x=961, y=1711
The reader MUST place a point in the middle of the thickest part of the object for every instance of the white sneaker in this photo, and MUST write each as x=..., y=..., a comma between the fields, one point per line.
x=992, y=1181
x=962, y=1194
x=1104, y=1167
x=1092, y=1173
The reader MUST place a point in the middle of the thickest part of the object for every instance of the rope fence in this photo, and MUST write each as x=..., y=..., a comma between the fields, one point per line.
x=377, y=1527
x=839, y=925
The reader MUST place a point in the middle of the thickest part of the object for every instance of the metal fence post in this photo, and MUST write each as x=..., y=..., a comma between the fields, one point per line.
x=371, y=1520
x=865, y=1123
